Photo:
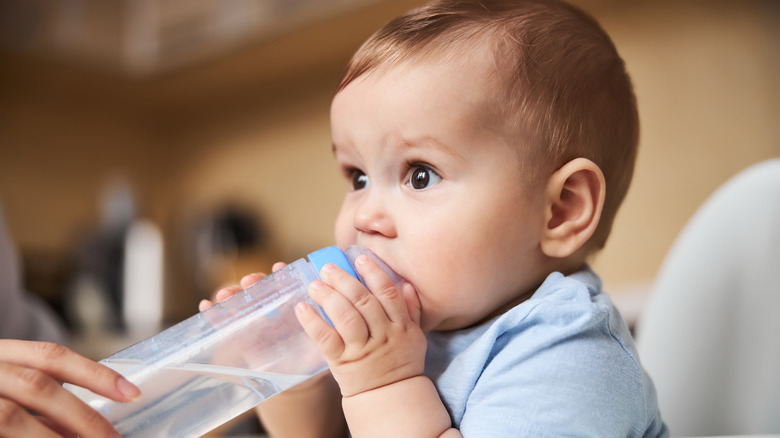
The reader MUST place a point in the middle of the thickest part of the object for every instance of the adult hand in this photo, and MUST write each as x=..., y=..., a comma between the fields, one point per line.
x=30, y=376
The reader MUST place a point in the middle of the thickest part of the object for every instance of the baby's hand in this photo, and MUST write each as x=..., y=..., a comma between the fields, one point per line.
x=246, y=281
x=275, y=343
x=374, y=341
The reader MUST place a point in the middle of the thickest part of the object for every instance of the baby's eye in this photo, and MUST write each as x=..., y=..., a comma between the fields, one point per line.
x=359, y=179
x=422, y=177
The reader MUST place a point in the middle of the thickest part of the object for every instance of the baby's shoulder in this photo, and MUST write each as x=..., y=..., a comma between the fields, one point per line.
x=562, y=303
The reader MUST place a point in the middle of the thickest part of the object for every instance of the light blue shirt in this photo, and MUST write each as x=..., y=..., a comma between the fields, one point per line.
x=562, y=363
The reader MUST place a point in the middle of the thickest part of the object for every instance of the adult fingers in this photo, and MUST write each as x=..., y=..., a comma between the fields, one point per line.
x=58, y=429
x=65, y=365
x=23, y=388
x=16, y=421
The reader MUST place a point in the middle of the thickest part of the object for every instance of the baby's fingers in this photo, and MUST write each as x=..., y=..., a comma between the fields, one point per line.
x=380, y=285
x=220, y=295
x=227, y=292
x=325, y=337
x=413, y=305
x=250, y=279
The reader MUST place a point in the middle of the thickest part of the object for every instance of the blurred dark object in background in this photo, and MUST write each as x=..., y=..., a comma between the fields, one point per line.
x=216, y=243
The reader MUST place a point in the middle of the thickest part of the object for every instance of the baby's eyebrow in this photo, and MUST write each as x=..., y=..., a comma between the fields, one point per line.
x=342, y=150
x=430, y=141
x=338, y=148
x=401, y=143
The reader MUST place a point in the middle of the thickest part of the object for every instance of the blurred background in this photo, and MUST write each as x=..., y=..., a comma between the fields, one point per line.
x=198, y=129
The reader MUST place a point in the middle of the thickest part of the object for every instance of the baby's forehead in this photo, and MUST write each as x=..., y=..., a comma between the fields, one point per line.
x=423, y=92
x=469, y=79
x=477, y=61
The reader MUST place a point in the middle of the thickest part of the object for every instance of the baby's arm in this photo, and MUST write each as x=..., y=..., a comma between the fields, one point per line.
x=376, y=353
x=311, y=409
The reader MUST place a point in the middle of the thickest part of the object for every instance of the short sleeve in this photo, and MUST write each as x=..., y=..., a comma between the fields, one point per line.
x=558, y=372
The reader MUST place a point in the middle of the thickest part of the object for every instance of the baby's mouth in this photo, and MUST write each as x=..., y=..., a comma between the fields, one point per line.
x=354, y=251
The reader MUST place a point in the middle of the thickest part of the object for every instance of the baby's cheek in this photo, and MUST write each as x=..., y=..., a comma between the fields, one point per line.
x=344, y=232
x=345, y=239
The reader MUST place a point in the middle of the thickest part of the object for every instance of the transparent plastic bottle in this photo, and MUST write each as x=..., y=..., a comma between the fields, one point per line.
x=221, y=362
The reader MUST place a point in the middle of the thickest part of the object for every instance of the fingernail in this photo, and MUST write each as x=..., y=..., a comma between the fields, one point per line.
x=317, y=284
x=328, y=268
x=362, y=259
x=130, y=391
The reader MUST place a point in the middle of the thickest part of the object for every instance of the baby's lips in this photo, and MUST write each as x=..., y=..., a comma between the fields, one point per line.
x=398, y=280
x=354, y=251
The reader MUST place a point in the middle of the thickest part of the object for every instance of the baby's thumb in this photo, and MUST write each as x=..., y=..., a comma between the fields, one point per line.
x=412, y=301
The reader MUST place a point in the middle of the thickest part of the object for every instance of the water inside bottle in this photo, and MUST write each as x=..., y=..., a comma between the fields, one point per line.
x=170, y=393
x=217, y=364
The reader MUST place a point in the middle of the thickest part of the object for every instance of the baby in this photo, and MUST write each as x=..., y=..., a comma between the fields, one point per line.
x=487, y=146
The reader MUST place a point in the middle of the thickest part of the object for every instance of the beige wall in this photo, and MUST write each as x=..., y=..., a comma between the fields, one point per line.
x=706, y=76
x=253, y=127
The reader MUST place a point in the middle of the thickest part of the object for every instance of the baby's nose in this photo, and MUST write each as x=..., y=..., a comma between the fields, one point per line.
x=373, y=217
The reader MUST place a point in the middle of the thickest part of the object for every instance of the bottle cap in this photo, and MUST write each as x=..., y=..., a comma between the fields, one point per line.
x=331, y=254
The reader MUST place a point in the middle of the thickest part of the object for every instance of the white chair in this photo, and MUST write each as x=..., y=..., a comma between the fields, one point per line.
x=710, y=334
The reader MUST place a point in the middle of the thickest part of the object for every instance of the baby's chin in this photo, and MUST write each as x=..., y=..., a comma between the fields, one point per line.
x=444, y=324
x=417, y=312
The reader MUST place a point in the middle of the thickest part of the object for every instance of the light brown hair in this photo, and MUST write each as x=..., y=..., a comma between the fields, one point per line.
x=563, y=91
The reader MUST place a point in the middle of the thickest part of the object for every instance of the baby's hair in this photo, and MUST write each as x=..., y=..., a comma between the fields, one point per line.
x=559, y=85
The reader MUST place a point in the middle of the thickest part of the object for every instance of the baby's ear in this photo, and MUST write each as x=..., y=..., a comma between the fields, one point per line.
x=574, y=200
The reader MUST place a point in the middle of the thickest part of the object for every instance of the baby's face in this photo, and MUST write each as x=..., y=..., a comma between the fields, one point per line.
x=436, y=191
